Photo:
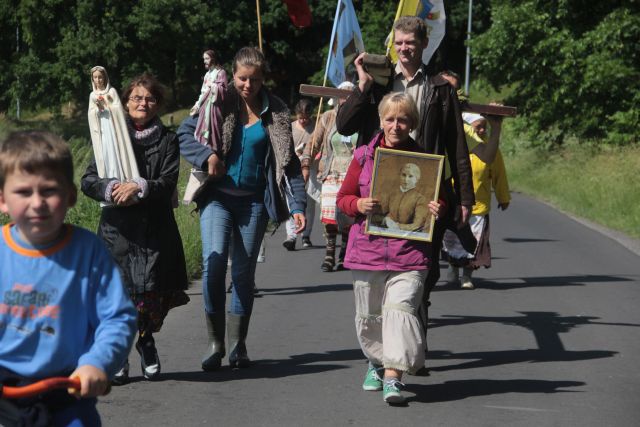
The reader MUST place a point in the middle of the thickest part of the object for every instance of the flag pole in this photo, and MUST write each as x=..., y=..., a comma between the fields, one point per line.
x=467, y=63
x=326, y=72
x=259, y=25
x=390, y=44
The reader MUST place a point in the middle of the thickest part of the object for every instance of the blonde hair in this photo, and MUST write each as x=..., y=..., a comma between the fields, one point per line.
x=399, y=102
x=34, y=151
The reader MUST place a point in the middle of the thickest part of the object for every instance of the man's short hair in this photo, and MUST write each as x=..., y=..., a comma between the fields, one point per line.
x=412, y=24
x=34, y=151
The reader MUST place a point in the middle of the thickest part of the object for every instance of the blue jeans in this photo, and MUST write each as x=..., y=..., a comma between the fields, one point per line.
x=224, y=217
x=81, y=414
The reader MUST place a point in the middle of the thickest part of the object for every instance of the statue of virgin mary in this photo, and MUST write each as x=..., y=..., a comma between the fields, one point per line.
x=109, y=136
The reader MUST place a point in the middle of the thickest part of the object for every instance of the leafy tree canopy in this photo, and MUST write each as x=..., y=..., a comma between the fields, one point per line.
x=49, y=46
x=574, y=65
x=571, y=66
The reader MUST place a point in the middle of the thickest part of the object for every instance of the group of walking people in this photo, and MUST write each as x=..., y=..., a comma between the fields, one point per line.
x=252, y=164
x=258, y=166
x=416, y=111
x=238, y=136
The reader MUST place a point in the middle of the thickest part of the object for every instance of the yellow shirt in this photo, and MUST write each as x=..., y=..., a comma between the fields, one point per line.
x=486, y=177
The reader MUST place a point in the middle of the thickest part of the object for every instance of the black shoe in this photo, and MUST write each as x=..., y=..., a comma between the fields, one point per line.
x=306, y=242
x=149, y=360
x=289, y=244
x=122, y=376
x=422, y=372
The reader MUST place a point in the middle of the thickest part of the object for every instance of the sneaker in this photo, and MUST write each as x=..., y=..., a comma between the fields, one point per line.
x=466, y=283
x=391, y=391
x=372, y=380
x=306, y=242
x=149, y=361
x=289, y=244
x=122, y=376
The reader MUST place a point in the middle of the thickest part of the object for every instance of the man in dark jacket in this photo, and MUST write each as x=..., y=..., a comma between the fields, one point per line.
x=440, y=129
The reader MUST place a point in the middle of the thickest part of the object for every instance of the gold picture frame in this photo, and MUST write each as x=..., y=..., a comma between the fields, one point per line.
x=404, y=183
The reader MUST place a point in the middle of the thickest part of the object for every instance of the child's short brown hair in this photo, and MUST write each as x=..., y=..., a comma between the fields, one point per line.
x=33, y=151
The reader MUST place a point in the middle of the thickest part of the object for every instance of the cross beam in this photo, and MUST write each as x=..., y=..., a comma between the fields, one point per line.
x=492, y=110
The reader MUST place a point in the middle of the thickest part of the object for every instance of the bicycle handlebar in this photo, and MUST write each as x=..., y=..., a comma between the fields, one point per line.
x=36, y=388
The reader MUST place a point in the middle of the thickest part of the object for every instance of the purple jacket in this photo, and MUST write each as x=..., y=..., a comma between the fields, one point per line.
x=370, y=252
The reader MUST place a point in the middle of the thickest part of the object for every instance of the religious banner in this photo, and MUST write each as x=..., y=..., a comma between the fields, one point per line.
x=346, y=42
x=299, y=12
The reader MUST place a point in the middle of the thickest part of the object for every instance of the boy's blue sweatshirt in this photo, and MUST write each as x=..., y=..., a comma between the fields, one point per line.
x=61, y=307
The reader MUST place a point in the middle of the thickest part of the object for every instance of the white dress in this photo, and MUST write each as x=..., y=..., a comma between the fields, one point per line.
x=109, y=136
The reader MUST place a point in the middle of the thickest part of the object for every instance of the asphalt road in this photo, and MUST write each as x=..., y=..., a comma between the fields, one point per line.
x=550, y=337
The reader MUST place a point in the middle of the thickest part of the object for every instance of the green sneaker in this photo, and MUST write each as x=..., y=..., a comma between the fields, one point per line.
x=391, y=391
x=372, y=380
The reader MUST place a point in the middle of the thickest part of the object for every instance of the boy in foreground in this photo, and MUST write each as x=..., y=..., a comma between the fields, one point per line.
x=63, y=308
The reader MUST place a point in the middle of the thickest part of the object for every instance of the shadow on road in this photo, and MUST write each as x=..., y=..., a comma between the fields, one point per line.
x=307, y=289
x=526, y=240
x=299, y=364
x=462, y=389
x=546, y=328
x=543, y=281
x=484, y=359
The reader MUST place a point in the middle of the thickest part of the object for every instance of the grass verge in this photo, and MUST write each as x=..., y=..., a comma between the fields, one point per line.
x=598, y=183
x=86, y=212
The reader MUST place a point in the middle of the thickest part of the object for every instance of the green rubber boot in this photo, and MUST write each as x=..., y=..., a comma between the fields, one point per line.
x=237, y=328
x=212, y=359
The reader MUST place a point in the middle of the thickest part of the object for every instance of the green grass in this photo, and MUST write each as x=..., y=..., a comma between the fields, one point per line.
x=598, y=183
x=585, y=178
x=86, y=212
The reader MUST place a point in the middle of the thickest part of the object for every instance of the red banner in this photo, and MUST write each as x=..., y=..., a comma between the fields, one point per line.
x=298, y=12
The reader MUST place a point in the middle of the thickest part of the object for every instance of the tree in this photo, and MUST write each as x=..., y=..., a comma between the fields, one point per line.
x=574, y=65
x=60, y=40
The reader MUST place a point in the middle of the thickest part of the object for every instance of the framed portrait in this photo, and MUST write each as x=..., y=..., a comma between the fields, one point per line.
x=404, y=183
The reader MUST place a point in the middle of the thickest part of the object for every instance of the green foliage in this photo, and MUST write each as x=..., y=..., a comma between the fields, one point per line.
x=60, y=40
x=452, y=52
x=376, y=19
x=86, y=212
x=574, y=65
x=596, y=182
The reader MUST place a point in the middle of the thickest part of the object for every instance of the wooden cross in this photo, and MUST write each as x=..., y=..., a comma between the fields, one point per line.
x=492, y=110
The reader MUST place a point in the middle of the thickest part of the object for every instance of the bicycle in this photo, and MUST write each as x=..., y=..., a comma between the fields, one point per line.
x=11, y=415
